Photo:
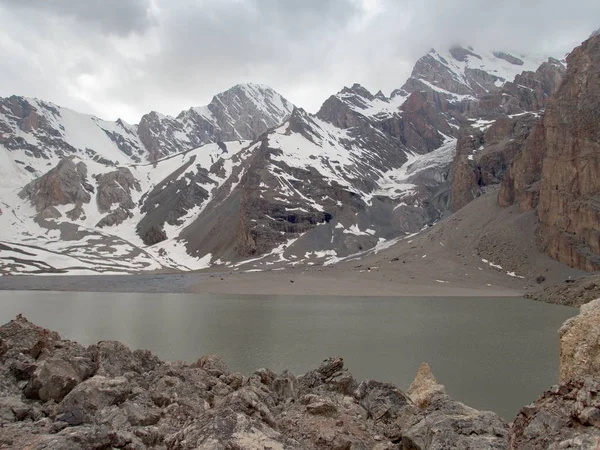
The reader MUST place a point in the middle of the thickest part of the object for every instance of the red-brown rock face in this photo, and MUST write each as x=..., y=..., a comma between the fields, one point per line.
x=569, y=208
x=561, y=161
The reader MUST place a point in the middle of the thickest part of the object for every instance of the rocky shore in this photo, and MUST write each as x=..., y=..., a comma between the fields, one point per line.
x=56, y=394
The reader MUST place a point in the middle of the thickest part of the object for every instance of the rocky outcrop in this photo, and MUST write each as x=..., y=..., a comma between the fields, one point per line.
x=58, y=394
x=580, y=344
x=66, y=184
x=483, y=156
x=565, y=416
x=568, y=414
x=569, y=208
x=171, y=199
x=558, y=169
x=115, y=188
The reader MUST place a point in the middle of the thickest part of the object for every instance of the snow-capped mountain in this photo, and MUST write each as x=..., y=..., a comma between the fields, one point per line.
x=248, y=181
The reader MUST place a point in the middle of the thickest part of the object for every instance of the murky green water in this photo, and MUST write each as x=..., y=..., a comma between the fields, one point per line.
x=491, y=353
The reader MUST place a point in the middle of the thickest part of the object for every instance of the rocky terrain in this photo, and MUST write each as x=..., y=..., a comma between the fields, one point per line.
x=251, y=182
x=57, y=394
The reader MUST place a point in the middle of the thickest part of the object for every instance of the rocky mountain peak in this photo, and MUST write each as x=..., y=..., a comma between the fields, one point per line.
x=357, y=90
x=242, y=112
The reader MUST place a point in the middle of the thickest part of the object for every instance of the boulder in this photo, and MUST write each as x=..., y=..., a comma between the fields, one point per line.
x=580, y=344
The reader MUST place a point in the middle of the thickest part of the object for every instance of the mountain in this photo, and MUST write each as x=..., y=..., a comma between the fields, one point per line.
x=251, y=182
x=42, y=130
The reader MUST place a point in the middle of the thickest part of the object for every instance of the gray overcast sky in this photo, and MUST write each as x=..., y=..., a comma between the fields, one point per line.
x=123, y=58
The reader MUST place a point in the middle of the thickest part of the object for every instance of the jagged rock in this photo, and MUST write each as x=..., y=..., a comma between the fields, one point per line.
x=424, y=387
x=115, y=188
x=21, y=336
x=117, y=217
x=115, y=359
x=53, y=379
x=213, y=365
x=445, y=423
x=95, y=394
x=321, y=408
x=580, y=344
x=566, y=416
x=382, y=401
x=65, y=184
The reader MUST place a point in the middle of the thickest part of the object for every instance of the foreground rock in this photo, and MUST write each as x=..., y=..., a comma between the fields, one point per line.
x=568, y=414
x=56, y=394
x=580, y=344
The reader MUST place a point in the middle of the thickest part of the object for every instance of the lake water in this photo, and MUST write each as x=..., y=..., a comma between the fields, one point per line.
x=491, y=353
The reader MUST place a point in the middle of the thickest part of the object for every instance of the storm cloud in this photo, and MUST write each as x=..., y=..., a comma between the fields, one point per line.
x=123, y=58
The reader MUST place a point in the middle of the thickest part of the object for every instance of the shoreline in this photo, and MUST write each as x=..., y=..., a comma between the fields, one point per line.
x=303, y=282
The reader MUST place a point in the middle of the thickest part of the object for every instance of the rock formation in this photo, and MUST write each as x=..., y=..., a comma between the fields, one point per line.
x=568, y=414
x=580, y=344
x=558, y=169
x=66, y=184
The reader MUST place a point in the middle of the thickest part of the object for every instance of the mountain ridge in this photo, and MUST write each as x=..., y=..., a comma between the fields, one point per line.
x=276, y=186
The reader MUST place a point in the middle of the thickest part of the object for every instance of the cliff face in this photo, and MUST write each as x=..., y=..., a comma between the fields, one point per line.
x=483, y=155
x=569, y=208
x=558, y=170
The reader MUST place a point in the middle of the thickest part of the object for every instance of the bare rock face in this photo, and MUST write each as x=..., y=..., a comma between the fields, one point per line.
x=569, y=208
x=65, y=184
x=580, y=344
x=558, y=169
x=483, y=157
x=115, y=188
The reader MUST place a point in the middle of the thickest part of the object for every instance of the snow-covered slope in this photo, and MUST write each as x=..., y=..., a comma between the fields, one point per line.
x=34, y=241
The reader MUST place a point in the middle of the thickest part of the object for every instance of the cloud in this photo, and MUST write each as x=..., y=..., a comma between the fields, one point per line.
x=111, y=16
x=127, y=57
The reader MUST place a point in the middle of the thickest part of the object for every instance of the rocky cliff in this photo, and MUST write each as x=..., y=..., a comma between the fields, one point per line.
x=558, y=169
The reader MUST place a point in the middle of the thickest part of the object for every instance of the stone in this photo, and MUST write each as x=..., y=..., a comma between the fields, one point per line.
x=580, y=344
x=321, y=407
x=52, y=380
x=383, y=401
x=424, y=387
x=558, y=420
x=213, y=364
x=96, y=393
